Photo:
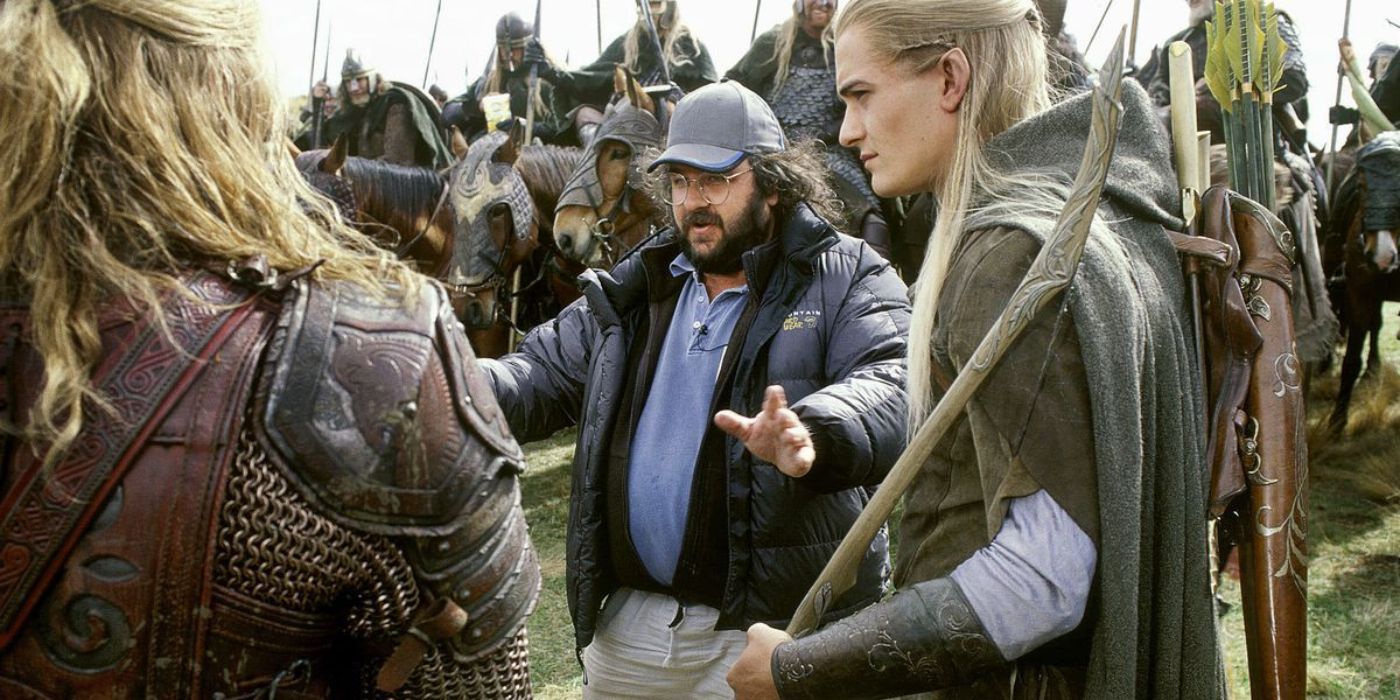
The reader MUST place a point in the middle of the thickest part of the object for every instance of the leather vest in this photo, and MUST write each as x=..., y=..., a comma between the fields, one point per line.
x=126, y=609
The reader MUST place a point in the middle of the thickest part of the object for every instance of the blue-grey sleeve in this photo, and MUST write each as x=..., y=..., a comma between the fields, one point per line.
x=1030, y=585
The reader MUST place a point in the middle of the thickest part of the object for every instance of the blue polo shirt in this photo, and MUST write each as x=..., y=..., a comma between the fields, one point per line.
x=674, y=419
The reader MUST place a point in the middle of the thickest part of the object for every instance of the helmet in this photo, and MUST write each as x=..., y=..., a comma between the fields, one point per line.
x=354, y=66
x=513, y=31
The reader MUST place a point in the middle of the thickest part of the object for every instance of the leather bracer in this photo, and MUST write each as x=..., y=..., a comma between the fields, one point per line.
x=923, y=638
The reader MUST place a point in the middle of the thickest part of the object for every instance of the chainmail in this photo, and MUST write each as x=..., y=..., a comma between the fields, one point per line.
x=504, y=675
x=808, y=108
x=274, y=548
x=806, y=104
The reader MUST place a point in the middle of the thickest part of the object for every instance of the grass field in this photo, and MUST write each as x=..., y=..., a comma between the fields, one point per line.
x=1354, y=541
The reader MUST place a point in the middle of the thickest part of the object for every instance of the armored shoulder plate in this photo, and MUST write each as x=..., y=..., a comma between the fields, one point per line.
x=376, y=411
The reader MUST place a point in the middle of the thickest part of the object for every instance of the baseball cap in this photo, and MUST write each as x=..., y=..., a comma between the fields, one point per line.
x=714, y=127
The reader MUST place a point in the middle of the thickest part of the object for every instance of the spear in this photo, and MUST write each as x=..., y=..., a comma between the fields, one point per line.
x=432, y=43
x=534, y=84
x=1050, y=274
x=1132, y=36
x=1102, y=16
x=315, y=44
x=1337, y=101
x=662, y=114
x=757, y=7
x=598, y=5
x=318, y=104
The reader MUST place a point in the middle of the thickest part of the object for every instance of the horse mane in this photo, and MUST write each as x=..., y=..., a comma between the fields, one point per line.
x=393, y=195
x=545, y=170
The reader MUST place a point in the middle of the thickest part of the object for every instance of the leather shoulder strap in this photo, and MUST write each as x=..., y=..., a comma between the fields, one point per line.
x=47, y=511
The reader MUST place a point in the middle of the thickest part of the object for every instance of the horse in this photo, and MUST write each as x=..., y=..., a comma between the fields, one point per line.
x=1364, y=247
x=604, y=211
x=502, y=190
x=403, y=209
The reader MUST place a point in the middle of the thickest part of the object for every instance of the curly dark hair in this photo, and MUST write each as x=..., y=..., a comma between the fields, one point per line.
x=797, y=174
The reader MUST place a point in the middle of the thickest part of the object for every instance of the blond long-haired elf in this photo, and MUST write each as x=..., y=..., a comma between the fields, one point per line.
x=1054, y=545
x=214, y=463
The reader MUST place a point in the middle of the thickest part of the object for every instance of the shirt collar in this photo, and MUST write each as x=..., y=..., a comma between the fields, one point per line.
x=681, y=265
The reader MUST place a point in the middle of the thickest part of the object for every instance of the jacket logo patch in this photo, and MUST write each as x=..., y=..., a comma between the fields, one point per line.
x=801, y=319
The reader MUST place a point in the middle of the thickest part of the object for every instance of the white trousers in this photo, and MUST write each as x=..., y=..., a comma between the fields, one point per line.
x=648, y=645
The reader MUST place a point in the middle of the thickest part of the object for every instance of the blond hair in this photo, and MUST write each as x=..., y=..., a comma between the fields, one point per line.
x=1005, y=48
x=782, y=48
x=674, y=31
x=142, y=137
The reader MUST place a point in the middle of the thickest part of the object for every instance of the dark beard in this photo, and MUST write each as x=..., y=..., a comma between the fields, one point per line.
x=727, y=258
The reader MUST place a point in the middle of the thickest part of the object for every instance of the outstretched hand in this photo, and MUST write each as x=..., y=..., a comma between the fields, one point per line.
x=775, y=435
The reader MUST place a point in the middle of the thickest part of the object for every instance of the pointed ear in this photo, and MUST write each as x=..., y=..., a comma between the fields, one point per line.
x=459, y=143
x=510, y=150
x=635, y=94
x=643, y=100
x=292, y=149
x=620, y=80
x=335, y=160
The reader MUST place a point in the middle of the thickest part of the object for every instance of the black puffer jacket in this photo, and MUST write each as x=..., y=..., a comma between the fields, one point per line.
x=827, y=320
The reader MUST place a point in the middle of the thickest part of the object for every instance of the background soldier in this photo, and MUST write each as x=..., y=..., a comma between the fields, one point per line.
x=688, y=59
x=245, y=452
x=509, y=73
x=792, y=67
x=1290, y=102
x=1068, y=73
x=385, y=120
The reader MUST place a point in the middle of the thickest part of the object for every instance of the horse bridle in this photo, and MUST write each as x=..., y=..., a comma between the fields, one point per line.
x=404, y=247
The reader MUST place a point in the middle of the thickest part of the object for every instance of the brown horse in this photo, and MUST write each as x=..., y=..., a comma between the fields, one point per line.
x=402, y=208
x=604, y=211
x=1364, y=248
x=501, y=191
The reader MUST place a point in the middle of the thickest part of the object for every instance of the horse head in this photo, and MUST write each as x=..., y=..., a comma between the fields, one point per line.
x=1381, y=250
x=1378, y=183
x=604, y=199
x=494, y=225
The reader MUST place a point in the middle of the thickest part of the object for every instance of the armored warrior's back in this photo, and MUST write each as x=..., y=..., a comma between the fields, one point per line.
x=300, y=489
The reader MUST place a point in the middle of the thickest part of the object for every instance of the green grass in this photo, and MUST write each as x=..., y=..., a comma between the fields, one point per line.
x=1354, y=547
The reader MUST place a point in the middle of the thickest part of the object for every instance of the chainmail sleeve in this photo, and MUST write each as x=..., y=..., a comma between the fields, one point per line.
x=276, y=549
x=391, y=478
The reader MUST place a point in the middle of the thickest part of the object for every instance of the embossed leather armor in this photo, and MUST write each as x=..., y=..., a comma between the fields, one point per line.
x=305, y=491
x=925, y=638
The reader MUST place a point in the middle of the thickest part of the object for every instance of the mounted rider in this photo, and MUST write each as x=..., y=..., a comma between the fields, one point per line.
x=687, y=59
x=385, y=120
x=509, y=73
x=792, y=67
x=1290, y=102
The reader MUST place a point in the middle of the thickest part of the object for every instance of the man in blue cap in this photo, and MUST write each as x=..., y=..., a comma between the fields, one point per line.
x=738, y=384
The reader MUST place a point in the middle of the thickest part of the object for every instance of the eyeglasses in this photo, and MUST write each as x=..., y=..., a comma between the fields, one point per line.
x=714, y=187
